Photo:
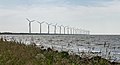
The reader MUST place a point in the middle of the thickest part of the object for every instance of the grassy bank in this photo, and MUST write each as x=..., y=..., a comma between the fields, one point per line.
x=13, y=53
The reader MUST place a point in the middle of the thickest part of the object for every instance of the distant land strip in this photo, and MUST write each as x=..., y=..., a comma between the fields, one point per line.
x=37, y=34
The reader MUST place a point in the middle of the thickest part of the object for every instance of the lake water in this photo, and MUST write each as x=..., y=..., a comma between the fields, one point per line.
x=106, y=46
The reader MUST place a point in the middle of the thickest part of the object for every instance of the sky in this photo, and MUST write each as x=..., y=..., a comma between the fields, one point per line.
x=97, y=16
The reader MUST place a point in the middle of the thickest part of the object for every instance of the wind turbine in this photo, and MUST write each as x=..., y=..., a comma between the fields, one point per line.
x=71, y=30
x=64, y=28
x=55, y=26
x=82, y=31
x=88, y=32
x=79, y=31
x=40, y=23
x=60, y=28
x=30, y=21
x=48, y=26
x=76, y=30
x=68, y=29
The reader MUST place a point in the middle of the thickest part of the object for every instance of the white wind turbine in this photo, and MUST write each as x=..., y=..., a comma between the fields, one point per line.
x=48, y=26
x=40, y=23
x=88, y=32
x=71, y=30
x=60, y=28
x=78, y=31
x=55, y=26
x=64, y=28
x=30, y=21
x=68, y=29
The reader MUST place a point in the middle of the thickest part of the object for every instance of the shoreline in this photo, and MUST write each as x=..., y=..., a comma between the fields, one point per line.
x=21, y=51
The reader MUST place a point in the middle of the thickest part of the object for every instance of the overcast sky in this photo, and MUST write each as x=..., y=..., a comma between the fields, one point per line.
x=98, y=16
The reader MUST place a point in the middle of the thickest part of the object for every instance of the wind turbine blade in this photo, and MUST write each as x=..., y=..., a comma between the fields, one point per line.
x=46, y=22
x=50, y=23
x=32, y=20
x=42, y=22
x=27, y=19
x=38, y=21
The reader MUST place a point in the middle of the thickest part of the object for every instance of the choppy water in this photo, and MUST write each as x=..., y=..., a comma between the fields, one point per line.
x=107, y=46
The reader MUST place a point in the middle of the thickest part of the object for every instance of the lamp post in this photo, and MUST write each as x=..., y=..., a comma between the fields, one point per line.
x=40, y=23
x=30, y=21
x=48, y=26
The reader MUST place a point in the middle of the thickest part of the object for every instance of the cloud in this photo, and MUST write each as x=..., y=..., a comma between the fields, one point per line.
x=97, y=19
x=17, y=3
